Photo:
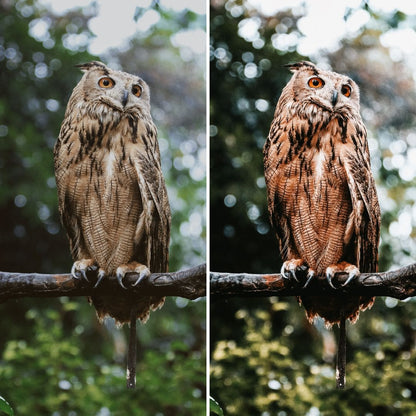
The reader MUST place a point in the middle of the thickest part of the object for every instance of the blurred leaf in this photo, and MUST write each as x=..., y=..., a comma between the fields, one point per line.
x=5, y=407
x=214, y=407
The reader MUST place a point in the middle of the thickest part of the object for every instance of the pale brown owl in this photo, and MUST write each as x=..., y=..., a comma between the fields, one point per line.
x=321, y=194
x=112, y=196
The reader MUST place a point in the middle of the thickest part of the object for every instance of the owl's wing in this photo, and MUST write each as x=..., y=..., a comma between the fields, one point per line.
x=63, y=160
x=365, y=203
x=278, y=186
x=155, y=199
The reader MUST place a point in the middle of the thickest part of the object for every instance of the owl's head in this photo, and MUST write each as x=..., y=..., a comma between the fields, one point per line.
x=330, y=91
x=104, y=88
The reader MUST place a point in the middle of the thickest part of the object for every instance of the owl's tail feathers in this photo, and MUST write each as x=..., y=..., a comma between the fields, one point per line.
x=119, y=307
x=341, y=356
x=131, y=354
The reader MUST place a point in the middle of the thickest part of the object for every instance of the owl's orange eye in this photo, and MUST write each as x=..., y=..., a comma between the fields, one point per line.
x=316, y=82
x=346, y=90
x=136, y=90
x=106, y=82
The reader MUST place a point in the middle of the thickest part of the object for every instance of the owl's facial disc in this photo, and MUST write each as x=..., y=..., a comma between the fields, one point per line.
x=327, y=94
x=109, y=96
x=119, y=95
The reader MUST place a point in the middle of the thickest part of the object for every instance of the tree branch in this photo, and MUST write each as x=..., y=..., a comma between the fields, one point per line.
x=189, y=283
x=399, y=284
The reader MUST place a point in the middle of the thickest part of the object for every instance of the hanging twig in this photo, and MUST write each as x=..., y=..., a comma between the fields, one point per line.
x=341, y=355
x=131, y=354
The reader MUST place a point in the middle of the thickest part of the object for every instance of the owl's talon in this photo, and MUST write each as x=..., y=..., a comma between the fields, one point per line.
x=342, y=267
x=350, y=277
x=143, y=275
x=120, y=280
x=74, y=272
x=352, y=274
x=101, y=275
x=293, y=273
x=290, y=267
x=283, y=273
x=84, y=275
x=133, y=267
x=81, y=267
x=310, y=276
x=329, y=280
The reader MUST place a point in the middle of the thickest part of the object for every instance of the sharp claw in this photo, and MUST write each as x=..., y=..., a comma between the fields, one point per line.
x=351, y=276
x=310, y=277
x=73, y=272
x=101, y=275
x=329, y=280
x=84, y=275
x=120, y=280
x=140, y=278
x=293, y=273
x=80, y=268
x=283, y=273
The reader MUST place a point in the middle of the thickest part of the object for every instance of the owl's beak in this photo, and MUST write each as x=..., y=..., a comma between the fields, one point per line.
x=334, y=97
x=125, y=97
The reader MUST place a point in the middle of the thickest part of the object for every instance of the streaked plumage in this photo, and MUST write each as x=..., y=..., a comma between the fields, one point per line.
x=112, y=196
x=321, y=194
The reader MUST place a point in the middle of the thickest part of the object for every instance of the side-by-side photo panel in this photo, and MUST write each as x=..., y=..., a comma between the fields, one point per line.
x=103, y=207
x=312, y=141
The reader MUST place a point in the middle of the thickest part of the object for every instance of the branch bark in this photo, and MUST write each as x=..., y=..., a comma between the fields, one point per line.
x=189, y=283
x=399, y=284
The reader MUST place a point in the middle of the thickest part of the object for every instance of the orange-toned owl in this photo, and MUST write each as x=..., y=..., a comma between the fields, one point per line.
x=322, y=198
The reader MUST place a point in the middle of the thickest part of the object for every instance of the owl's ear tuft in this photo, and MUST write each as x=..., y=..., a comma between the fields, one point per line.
x=89, y=65
x=300, y=65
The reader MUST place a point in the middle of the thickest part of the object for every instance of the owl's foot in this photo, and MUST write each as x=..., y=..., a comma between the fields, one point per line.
x=290, y=267
x=342, y=267
x=81, y=267
x=133, y=267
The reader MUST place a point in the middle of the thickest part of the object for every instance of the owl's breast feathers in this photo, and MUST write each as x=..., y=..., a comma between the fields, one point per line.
x=321, y=194
x=112, y=195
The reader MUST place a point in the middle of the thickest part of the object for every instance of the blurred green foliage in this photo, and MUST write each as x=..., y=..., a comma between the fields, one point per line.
x=53, y=370
x=271, y=378
x=5, y=407
x=55, y=358
x=266, y=359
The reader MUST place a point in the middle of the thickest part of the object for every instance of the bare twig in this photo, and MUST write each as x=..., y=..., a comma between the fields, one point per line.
x=399, y=284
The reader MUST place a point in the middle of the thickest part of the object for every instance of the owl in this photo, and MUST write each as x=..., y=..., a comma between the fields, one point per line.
x=112, y=196
x=322, y=199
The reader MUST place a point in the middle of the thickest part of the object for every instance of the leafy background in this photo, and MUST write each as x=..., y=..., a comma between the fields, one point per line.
x=265, y=357
x=55, y=358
